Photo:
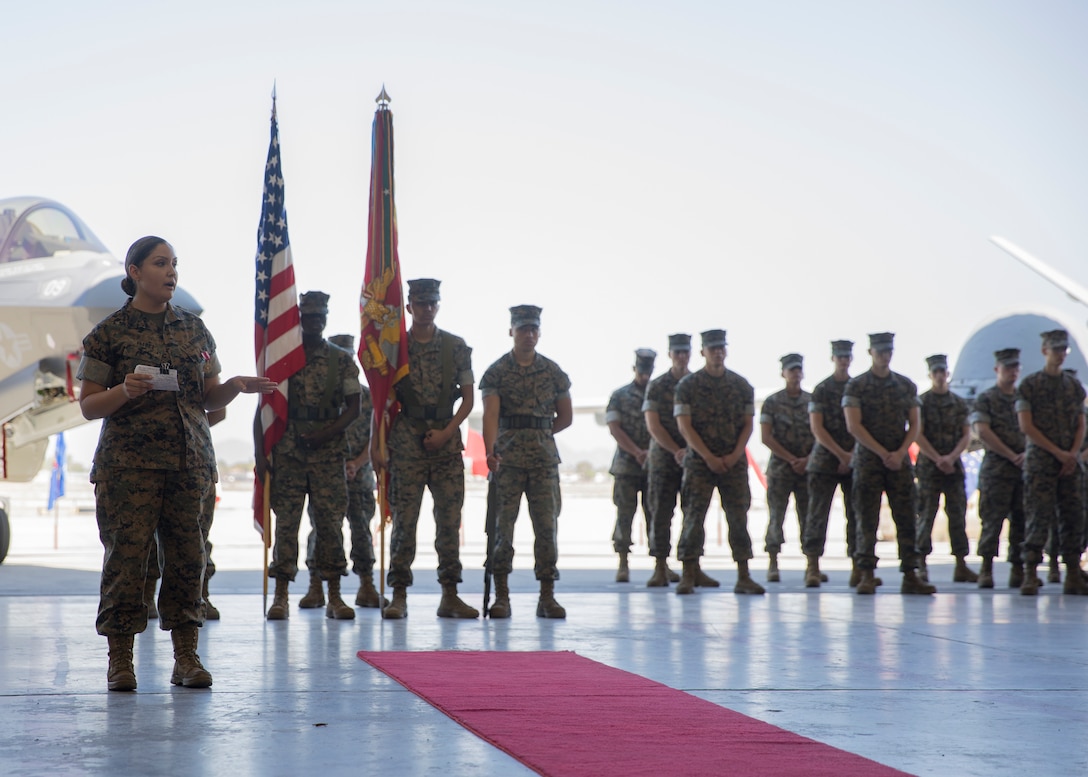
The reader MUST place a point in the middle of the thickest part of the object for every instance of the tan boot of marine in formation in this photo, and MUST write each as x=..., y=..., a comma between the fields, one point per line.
x=398, y=608
x=962, y=573
x=1016, y=575
x=660, y=577
x=623, y=573
x=673, y=576
x=547, y=607
x=986, y=574
x=337, y=608
x=368, y=595
x=451, y=606
x=745, y=583
x=501, y=608
x=1029, y=586
x=121, y=675
x=149, y=598
x=188, y=671
x=687, y=578
x=922, y=572
x=773, y=575
x=280, y=609
x=866, y=582
x=210, y=611
x=813, y=578
x=1074, y=582
x=1054, y=575
x=314, y=596
x=913, y=584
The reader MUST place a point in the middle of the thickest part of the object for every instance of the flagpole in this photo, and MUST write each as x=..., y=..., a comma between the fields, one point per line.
x=383, y=509
x=266, y=537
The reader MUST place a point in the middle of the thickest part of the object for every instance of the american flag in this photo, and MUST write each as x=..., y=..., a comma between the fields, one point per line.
x=277, y=334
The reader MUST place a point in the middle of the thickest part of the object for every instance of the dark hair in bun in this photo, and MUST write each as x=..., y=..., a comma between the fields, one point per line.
x=137, y=252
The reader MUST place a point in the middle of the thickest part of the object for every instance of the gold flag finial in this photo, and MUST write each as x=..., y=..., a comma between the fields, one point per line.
x=383, y=99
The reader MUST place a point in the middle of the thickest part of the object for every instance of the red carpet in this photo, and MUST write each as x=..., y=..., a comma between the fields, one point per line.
x=564, y=715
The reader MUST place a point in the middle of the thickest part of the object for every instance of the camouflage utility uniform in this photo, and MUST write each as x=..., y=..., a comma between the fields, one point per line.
x=361, y=507
x=1000, y=482
x=625, y=406
x=823, y=471
x=438, y=369
x=529, y=458
x=1056, y=403
x=885, y=408
x=719, y=407
x=316, y=396
x=153, y=467
x=944, y=417
x=664, y=476
x=788, y=417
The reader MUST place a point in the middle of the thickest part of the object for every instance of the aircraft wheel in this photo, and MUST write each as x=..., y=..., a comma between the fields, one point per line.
x=5, y=534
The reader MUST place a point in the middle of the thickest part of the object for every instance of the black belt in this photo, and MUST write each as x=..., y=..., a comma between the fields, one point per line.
x=524, y=422
x=427, y=412
x=313, y=413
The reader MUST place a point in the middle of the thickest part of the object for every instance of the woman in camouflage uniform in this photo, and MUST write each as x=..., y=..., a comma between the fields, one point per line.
x=150, y=371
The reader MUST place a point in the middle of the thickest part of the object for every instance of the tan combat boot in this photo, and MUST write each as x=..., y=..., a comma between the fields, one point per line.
x=623, y=573
x=1031, y=582
x=687, y=579
x=1054, y=575
x=314, y=596
x=188, y=671
x=451, y=605
x=338, y=609
x=813, y=578
x=368, y=595
x=913, y=584
x=501, y=608
x=745, y=583
x=772, y=569
x=149, y=598
x=398, y=608
x=923, y=571
x=660, y=577
x=121, y=676
x=963, y=574
x=702, y=579
x=986, y=574
x=1074, y=583
x=673, y=576
x=210, y=611
x=281, y=607
x=547, y=607
x=855, y=574
x=866, y=582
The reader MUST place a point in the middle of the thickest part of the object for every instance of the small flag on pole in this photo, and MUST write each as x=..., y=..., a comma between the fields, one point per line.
x=60, y=467
x=277, y=334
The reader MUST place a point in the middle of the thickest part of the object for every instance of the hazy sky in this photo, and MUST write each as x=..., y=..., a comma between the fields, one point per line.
x=793, y=172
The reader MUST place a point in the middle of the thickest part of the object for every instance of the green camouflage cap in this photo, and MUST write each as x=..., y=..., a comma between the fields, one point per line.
x=882, y=341
x=525, y=315
x=424, y=289
x=938, y=361
x=313, y=303
x=1055, y=338
x=644, y=360
x=842, y=347
x=713, y=338
x=791, y=360
x=680, y=342
x=1009, y=357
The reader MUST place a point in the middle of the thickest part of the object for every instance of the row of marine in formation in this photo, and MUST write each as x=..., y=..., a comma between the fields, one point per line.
x=685, y=434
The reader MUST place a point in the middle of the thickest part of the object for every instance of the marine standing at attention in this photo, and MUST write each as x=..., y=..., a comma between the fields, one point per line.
x=882, y=413
x=628, y=427
x=943, y=436
x=714, y=410
x=151, y=373
x=308, y=461
x=784, y=428
x=830, y=466
x=359, y=477
x=425, y=451
x=1001, y=476
x=1050, y=409
x=526, y=403
x=667, y=450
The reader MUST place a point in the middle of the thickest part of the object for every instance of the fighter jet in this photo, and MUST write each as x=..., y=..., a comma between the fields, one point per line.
x=57, y=280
